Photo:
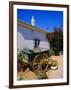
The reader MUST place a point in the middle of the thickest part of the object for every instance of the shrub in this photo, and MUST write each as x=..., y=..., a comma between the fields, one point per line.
x=50, y=52
x=56, y=40
x=56, y=51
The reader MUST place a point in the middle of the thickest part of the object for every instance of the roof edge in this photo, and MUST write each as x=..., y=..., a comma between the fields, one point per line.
x=33, y=28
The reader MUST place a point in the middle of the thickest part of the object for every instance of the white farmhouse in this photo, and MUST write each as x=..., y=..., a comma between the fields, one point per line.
x=29, y=36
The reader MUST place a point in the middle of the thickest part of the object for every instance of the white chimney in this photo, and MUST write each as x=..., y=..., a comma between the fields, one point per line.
x=33, y=21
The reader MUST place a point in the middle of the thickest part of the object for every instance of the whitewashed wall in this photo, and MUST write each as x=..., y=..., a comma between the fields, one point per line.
x=26, y=38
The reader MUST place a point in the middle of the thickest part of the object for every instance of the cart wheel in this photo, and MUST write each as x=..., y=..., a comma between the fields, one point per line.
x=40, y=63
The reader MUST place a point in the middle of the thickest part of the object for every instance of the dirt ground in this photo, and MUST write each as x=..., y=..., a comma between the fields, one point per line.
x=29, y=75
x=59, y=72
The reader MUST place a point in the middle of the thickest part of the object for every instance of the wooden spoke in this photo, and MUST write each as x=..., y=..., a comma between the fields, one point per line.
x=45, y=65
x=35, y=67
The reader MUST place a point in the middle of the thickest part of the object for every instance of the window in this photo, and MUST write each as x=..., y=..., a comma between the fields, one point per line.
x=36, y=43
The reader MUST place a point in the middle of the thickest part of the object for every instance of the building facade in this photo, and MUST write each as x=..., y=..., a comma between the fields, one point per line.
x=29, y=36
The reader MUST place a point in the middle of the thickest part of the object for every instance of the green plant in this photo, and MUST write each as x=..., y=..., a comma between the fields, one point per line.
x=22, y=54
x=19, y=77
x=49, y=61
x=50, y=52
x=42, y=75
x=56, y=51
x=56, y=40
x=54, y=63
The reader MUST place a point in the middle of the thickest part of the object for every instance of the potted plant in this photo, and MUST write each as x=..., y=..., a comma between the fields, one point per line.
x=54, y=65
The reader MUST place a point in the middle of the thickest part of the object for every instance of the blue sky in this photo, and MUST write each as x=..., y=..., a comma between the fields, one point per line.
x=43, y=18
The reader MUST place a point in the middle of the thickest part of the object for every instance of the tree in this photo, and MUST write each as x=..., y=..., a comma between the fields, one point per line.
x=56, y=40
